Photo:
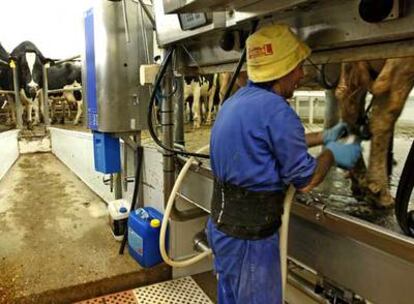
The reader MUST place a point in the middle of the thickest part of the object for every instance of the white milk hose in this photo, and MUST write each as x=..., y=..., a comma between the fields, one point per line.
x=283, y=231
x=283, y=235
x=171, y=199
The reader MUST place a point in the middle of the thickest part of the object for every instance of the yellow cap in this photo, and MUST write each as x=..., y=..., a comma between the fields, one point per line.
x=274, y=51
x=155, y=223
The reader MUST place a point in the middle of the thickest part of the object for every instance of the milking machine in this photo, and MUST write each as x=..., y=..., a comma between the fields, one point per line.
x=331, y=255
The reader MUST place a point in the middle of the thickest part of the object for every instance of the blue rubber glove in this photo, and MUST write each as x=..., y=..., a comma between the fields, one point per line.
x=335, y=132
x=346, y=155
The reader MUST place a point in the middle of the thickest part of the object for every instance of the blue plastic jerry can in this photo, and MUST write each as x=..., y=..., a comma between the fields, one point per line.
x=144, y=226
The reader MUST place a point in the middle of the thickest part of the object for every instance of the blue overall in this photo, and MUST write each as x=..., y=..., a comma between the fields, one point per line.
x=258, y=143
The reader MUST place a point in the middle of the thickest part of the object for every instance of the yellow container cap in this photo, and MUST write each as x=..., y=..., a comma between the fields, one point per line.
x=155, y=223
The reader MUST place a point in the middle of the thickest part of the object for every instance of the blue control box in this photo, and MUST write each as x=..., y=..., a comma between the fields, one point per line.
x=106, y=152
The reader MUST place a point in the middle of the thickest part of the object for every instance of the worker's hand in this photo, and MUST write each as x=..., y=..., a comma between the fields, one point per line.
x=346, y=155
x=335, y=132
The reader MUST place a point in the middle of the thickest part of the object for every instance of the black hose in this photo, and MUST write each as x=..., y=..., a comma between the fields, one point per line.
x=402, y=200
x=239, y=65
x=159, y=77
x=140, y=156
x=151, y=130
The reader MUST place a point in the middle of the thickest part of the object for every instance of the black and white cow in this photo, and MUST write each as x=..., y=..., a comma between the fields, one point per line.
x=67, y=75
x=199, y=90
x=6, y=84
x=29, y=68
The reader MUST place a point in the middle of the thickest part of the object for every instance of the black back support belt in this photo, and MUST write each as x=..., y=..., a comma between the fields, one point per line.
x=246, y=214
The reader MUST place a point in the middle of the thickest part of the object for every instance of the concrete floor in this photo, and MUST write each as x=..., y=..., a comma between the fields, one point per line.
x=54, y=237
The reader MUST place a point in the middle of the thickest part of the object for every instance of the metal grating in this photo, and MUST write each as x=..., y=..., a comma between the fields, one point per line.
x=125, y=297
x=179, y=291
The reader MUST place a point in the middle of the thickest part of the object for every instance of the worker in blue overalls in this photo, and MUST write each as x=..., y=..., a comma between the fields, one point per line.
x=258, y=147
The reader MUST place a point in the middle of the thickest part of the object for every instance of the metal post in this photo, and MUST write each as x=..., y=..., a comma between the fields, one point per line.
x=331, y=109
x=167, y=133
x=179, y=111
x=118, y=185
x=311, y=103
x=45, y=92
x=19, y=112
x=297, y=105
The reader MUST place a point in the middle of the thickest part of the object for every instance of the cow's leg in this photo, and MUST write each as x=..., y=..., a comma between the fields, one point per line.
x=224, y=80
x=36, y=111
x=350, y=93
x=52, y=107
x=196, y=106
x=29, y=109
x=41, y=104
x=211, y=95
x=79, y=111
x=391, y=91
x=11, y=120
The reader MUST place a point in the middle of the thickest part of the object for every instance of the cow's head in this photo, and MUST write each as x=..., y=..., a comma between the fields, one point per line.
x=30, y=73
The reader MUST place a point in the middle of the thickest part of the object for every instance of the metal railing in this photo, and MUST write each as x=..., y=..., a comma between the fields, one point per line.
x=13, y=65
x=46, y=90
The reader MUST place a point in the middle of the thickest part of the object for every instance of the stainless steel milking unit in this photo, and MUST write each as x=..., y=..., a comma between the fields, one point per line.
x=118, y=39
x=348, y=257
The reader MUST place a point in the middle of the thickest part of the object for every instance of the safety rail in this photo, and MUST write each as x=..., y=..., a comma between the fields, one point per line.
x=65, y=90
x=13, y=65
x=6, y=92
x=46, y=90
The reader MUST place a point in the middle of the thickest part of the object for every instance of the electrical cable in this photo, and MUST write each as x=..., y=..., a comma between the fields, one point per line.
x=239, y=64
x=151, y=130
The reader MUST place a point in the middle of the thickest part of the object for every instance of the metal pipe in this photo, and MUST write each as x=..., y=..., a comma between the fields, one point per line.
x=167, y=128
x=304, y=286
x=125, y=18
x=45, y=98
x=118, y=185
x=125, y=168
x=6, y=92
x=331, y=109
x=200, y=242
x=179, y=113
x=64, y=90
x=16, y=87
x=148, y=13
x=167, y=133
x=68, y=59
x=128, y=141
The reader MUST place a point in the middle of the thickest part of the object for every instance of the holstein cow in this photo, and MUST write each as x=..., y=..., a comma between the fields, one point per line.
x=29, y=63
x=66, y=76
x=197, y=90
x=209, y=90
x=6, y=83
x=390, y=82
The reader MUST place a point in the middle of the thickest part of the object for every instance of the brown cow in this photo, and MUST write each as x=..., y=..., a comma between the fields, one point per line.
x=390, y=89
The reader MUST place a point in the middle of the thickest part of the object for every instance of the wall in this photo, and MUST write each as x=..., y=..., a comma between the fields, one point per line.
x=9, y=150
x=75, y=150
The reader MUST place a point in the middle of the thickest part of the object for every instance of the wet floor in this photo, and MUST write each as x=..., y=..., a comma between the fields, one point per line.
x=54, y=235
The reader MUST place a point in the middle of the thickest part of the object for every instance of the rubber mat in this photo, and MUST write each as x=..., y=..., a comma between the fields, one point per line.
x=124, y=297
x=179, y=291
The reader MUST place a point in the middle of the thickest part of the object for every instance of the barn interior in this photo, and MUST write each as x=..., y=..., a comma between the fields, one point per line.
x=125, y=142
